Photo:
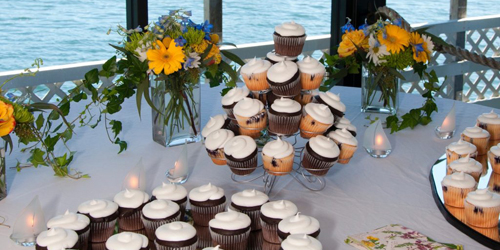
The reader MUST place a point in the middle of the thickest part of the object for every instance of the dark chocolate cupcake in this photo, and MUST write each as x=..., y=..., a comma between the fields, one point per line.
x=333, y=102
x=232, y=97
x=103, y=215
x=157, y=213
x=57, y=238
x=319, y=155
x=284, y=79
x=76, y=222
x=276, y=58
x=172, y=192
x=249, y=202
x=284, y=116
x=298, y=224
x=130, y=204
x=230, y=230
x=127, y=241
x=176, y=236
x=241, y=154
x=289, y=39
x=271, y=215
x=206, y=201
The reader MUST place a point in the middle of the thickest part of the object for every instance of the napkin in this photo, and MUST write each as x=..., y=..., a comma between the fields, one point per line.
x=396, y=237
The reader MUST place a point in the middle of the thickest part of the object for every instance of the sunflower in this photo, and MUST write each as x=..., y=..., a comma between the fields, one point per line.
x=422, y=47
x=165, y=58
x=395, y=38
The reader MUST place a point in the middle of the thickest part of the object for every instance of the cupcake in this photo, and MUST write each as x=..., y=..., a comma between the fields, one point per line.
x=102, y=215
x=477, y=136
x=215, y=123
x=306, y=96
x=466, y=165
x=130, y=204
x=127, y=241
x=298, y=224
x=76, y=222
x=256, y=241
x=57, y=238
x=276, y=58
x=284, y=116
x=230, y=230
x=254, y=74
x=232, y=97
x=271, y=215
x=456, y=187
x=301, y=241
x=284, y=79
x=494, y=183
x=241, y=154
x=319, y=155
x=490, y=122
x=312, y=73
x=289, y=39
x=491, y=232
x=176, y=236
x=206, y=201
x=172, y=192
x=157, y=213
x=344, y=123
x=251, y=116
x=482, y=208
x=214, y=145
x=494, y=158
x=277, y=157
x=347, y=144
x=316, y=119
x=249, y=202
x=457, y=212
x=333, y=102
x=204, y=237
x=460, y=149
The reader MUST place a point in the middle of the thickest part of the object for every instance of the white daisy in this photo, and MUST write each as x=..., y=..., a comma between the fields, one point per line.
x=376, y=51
x=430, y=44
x=193, y=61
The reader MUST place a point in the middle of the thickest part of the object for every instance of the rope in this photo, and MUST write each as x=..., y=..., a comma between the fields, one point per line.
x=449, y=49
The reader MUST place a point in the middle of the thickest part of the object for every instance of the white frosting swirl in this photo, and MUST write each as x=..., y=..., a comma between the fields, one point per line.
x=489, y=118
x=483, y=198
x=495, y=149
x=462, y=147
x=175, y=231
x=69, y=220
x=127, y=241
x=215, y=123
x=279, y=58
x=282, y=71
x=301, y=242
x=345, y=123
x=248, y=107
x=57, y=238
x=285, y=105
x=343, y=136
x=249, y=198
x=132, y=198
x=299, y=224
x=240, y=146
x=98, y=208
x=234, y=95
x=290, y=29
x=278, y=149
x=279, y=209
x=311, y=66
x=170, y=192
x=256, y=65
x=218, y=139
x=324, y=146
x=459, y=180
x=332, y=100
x=319, y=112
x=230, y=220
x=160, y=209
x=206, y=192
x=213, y=248
x=466, y=165
x=476, y=132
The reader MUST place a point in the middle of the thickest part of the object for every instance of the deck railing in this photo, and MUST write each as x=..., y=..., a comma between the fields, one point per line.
x=480, y=83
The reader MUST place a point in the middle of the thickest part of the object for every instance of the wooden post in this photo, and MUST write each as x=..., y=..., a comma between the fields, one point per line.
x=137, y=13
x=458, y=10
x=213, y=13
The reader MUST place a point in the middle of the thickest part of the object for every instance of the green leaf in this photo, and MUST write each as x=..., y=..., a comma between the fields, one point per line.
x=122, y=144
x=39, y=122
x=233, y=57
x=37, y=157
x=92, y=76
x=64, y=107
x=207, y=50
x=224, y=91
x=396, y=73
x=80, y=96
x=8, y=142
x=116, y=127
x=109, y=67
x=41, y=105
x=141, y=88
x=57, y=128
x=229, y=70
x=50, y=142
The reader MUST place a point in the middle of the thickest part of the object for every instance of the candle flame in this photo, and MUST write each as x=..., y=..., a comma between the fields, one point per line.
x=379, y=140
x=31, y=220
x=134, y=182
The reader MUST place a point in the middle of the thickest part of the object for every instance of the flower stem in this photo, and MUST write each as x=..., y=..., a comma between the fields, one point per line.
x=190, y=112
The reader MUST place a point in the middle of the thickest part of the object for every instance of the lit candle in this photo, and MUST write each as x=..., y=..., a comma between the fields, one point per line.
x=376, y=142
x=29, y=224
x=136, y=178
x=181, y=170
x=447, y=128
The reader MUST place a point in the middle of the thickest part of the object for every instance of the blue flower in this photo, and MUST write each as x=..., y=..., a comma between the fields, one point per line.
x=398, y=22
x=418, y=48
x=347, y=27
x=180, y=41
x=191, y=23
x=206, y=26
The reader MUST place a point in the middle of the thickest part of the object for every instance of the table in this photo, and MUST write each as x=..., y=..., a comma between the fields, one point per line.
x=361, y=196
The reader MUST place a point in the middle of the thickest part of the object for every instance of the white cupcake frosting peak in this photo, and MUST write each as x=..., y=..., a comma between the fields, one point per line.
x=299, y=224
x=132, y=198
x=234, y=95
x=230, y=220
x=279, y=209
x=248, y=107
x=217, y=139
x=319, y=112
x=489, y=118
x=343, y=136
x=175, y=231
x=483, y=198
x=466, y=165
x=301, y=242
x=57, y=238
x=290, y=29
x=215, y=123
x=160, y=209
x=324, y=146
x=127, y=241
x=285, y=105
x=256, y=65
x=459, y=179
x=206, y=192
x=170, y=191
x=249, y=198
x=462, y=147
x=278, y=149
x=332, y=100
x=240, y=146
x=311, y=66
x=69, y=220
x=98, y=208
x=476, y=132
x=282, y=71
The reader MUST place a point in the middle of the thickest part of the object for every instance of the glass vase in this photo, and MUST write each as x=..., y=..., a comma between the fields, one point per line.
x=176, y=116
x=379, y=92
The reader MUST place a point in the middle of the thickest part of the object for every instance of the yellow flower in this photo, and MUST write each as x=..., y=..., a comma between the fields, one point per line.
x=418, y=44
x=368, y=243
x=349, y=42
x=395, y=38
x=200, y=48
x=7, y=120
x=372, y=238
x=214, y=38
x=214, y=51
x=166, y=60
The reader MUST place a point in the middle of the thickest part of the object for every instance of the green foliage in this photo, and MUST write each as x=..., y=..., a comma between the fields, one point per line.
x=399, y=61
x=193, y=36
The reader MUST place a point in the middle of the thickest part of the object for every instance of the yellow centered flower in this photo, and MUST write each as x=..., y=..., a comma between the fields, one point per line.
x=7, y=120
x=214, y=38
x=395, y=39
x=350, y=41
x=165, y=58
x=416, y=39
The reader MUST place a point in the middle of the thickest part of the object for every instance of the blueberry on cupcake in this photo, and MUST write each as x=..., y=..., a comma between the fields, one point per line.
x=477, y=136
x=254, y=74
x=456, y=187
x=312, y=73
x=284, y=79
x=289, y=39
x=214, y=144
x=491, y=122
x=206, y=201
x=241, y=154
x=251, y=116
x=76, y=222
x=284, y=116
x=277, y=157
x=482, y=208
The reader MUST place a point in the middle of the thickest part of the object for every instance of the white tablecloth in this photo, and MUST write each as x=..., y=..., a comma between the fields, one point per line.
x=363, y=195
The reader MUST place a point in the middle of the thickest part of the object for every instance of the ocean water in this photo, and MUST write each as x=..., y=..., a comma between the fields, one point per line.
x=71, y=31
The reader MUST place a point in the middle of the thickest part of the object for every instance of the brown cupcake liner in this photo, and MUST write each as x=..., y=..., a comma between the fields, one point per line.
x=230, y=242
x=204, y=237
x=101, y=231
x=287, y=90
x=258, y=121
x=130, y=221
x=483, y=217
x=271, y=246
x=308, y=124
x=491, y=233
x=83, y=240
x=480, y=143
x=346, y=152
x=316, y=166
x=97, y=246
x=254, y=133
x=256, y=82
x=493, y=129
x=288, y=46
x=242, y=167
x=254, y=217
x=494, y=183
x=452, y=156
x=270, y=232
x=255, y=241
x=161, y=247
x=457, y=212
x=150, y=226
x=311, y=81
x=475, y=175
x=278, y=167
x=494, y=162
x=284, y=125
x=454, y=196
x=202, y=215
